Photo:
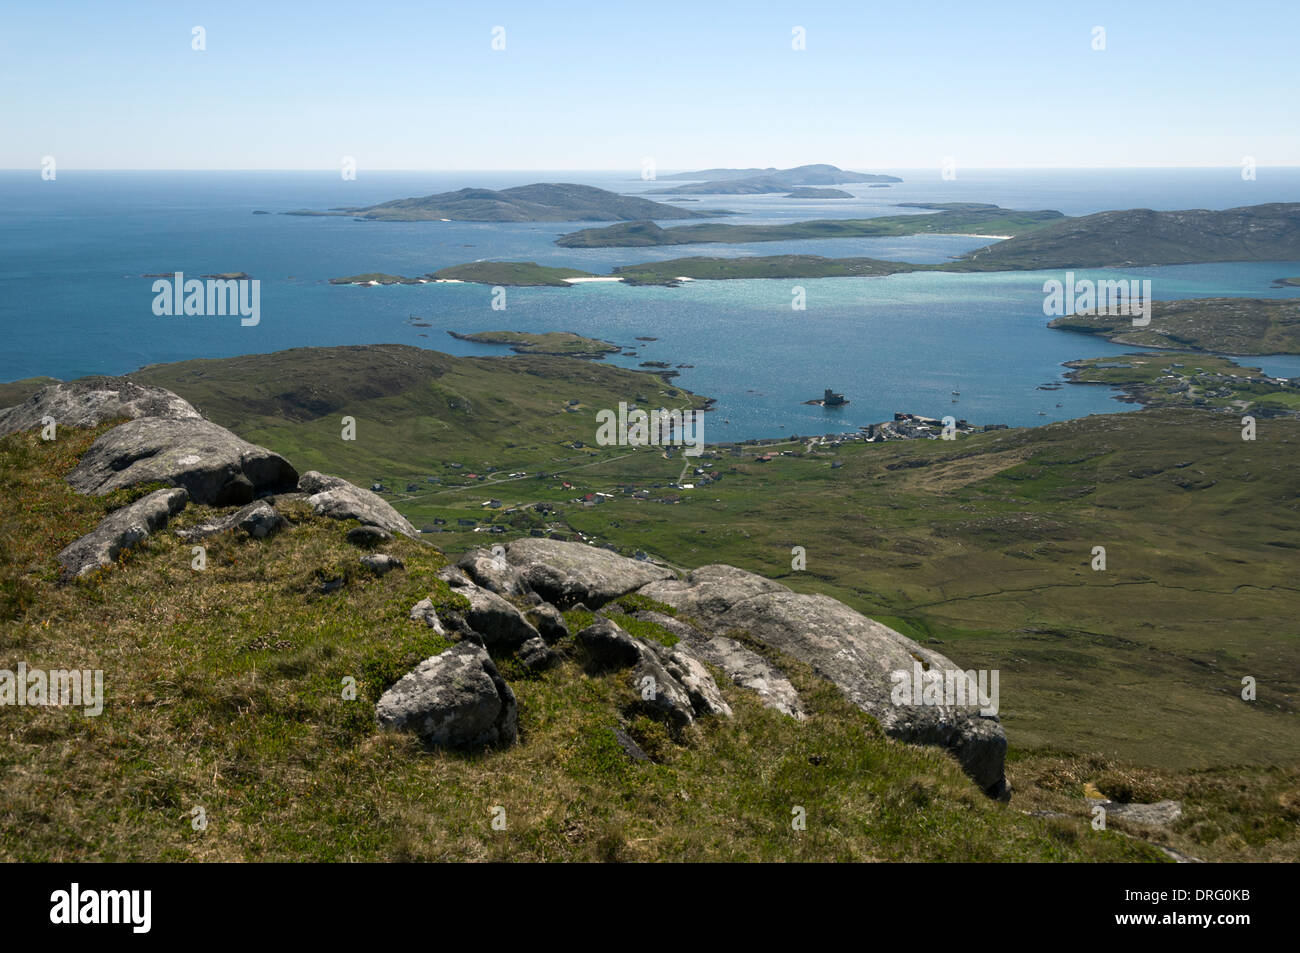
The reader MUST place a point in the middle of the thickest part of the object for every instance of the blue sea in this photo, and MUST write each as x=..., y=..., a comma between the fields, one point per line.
x=72, y=301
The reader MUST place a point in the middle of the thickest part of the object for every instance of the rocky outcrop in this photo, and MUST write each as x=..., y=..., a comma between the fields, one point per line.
x=423, y=611
x=492, y=571
x=858, y=654
x=490, y=618
x=742, y=665
x=90, y=401
x=549, y=621
x=568, y=573
x=670, y=681
x=456, y=699
x=258, y=519
x=210, y=462
x=340, y=500
x=120, y=531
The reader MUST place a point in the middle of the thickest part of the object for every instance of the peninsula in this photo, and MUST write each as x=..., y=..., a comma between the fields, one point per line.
x=1216, y=325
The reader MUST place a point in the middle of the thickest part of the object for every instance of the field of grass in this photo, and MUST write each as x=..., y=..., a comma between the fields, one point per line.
x=226, y=734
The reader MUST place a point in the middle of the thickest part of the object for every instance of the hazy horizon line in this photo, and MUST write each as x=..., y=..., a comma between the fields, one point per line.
x=670, y=170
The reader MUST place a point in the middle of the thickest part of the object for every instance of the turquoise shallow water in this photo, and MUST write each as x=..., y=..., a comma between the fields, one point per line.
x=72, y=301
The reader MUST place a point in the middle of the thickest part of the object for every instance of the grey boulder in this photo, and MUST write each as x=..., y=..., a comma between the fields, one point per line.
x=258, y=519
x=535, y=655
x=368, y=537
x=120, y=531
x=337, y=498
x=380, y=563
x=456, y=699
x=423, y=611
x=857, y=654
x=549, y=621
x=492, y=571
x=210, y=462
x=670, y=681
x=568, y=573
x=90, y=401
x=742, y=665
x=498, y=623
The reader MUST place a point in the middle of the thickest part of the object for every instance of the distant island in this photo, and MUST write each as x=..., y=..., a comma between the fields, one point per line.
x=1144, y=237
x=1286, y=283
x=1108, y=239
x=540, y=202
x=1218, y=325
x=955, y=218
x=555, y=343
x=810, y=193
x=763, y=181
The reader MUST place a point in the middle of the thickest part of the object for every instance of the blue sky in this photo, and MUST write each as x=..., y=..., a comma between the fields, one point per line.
x=108, y=85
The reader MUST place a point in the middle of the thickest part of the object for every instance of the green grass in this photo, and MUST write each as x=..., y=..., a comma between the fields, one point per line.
x=224, y=692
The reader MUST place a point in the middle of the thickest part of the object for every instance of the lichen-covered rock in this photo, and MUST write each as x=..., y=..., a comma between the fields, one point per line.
x=423, y=611
x=380, y=563
x=337, y=498
x=703, y=692
x=212, y=464
x=121, y=530
x=258, y=519
x=456, y=699
x=90, y=401
x=669, y=681
x=568, y=573
x=493, y=572
x=549, y=621
x=742, y=665
x=858, y=654
x=498, y=622
x=535, y=655
x=608, y=645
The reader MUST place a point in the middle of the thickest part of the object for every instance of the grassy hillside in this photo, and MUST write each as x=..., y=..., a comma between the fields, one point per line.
x=983, y=543
x=223, y=695
x=1128, y=678
x=416, y=410
x=1145, y=237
